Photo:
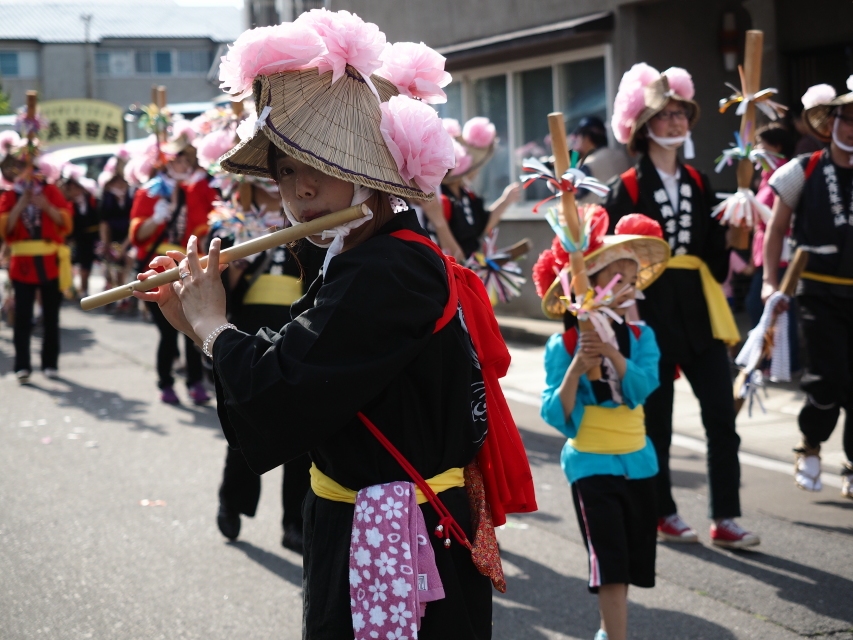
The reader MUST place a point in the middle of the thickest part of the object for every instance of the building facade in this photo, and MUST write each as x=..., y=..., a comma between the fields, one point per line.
x=113, y=51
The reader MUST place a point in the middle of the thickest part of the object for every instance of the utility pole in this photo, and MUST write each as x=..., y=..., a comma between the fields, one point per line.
x=90, y=76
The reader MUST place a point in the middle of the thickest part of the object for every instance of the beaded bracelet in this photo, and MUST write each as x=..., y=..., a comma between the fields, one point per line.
x=208, y=342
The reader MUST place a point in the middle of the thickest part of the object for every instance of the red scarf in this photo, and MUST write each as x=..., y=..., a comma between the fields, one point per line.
x=502, y=459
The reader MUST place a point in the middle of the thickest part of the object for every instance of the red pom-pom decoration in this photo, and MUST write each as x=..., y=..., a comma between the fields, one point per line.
x=543, y=271
x=639, y=225
x=600, y=221
x=561, y=257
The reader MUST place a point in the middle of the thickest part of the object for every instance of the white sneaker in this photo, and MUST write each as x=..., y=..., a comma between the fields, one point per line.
x=847, y=481
x=807, y=471
x=600, y=635
x=23, y=376
x=53, y=374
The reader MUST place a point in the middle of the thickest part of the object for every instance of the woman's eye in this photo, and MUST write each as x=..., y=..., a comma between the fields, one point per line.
x=284, y=171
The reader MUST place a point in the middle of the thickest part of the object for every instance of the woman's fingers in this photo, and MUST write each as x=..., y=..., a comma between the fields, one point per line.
x=213, y=257
x=192, y=257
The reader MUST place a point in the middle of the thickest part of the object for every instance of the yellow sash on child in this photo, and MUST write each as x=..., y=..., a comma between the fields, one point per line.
x=325, y=487
x=270, y=289
x=62, y=252
x=611, y=430
x=723, y=324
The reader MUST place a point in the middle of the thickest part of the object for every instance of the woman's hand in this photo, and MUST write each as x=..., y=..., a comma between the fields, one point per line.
x=165, y=296
x=201, y=293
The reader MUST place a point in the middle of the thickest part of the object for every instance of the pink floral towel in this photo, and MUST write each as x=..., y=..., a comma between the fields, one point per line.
x=392, y=571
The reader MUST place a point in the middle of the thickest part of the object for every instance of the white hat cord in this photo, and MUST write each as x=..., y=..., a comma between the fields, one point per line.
x=672, y=143
x=844, y=147
x=338, y=234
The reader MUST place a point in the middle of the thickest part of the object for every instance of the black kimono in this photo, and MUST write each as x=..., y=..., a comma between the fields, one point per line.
x=676, y=309
x=240, y=490
x=362, y=340
x=467, y=218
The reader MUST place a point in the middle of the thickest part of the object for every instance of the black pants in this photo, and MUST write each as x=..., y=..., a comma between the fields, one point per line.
x=167, y=351
x=828, y=331
x=241, y=487
x=25, y=296
x=709, y=374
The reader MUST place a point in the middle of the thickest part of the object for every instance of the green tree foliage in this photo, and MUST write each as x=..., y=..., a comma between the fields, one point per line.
x=5, y=106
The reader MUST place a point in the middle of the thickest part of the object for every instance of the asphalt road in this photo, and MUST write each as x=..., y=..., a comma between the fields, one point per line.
x=83, y=555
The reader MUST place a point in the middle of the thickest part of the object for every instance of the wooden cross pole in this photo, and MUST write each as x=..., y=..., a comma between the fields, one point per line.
x=750, y=80
x=580, y=279
x=32, y=112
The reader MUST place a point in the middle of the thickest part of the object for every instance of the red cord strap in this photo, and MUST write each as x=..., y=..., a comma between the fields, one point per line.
x=447, y=524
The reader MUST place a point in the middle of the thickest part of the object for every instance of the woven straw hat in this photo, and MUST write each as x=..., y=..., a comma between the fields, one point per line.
x=657, y=94
x=333, y=127
x=819, y=117
x=652, y=254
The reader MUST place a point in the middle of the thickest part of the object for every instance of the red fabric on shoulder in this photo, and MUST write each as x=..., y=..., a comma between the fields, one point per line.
x=446, y=207
x=635, y=330
x=629, y=179
x=813, y=160
x=697, y=177
x=503, y=461
x=570, y=340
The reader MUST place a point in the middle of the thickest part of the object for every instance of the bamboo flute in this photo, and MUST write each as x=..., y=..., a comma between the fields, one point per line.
x=237, y=252
x=580, y=279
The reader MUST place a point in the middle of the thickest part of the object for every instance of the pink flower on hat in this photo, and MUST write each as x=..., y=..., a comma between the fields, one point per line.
x=183, y=128
x=452, y=126
x=681, y=82
x=418, y=142
x=818, y=94
x=9, y=140
x=49, y=167
x=348, y=40
x=479, y=132
x=630, y=99
x=267, y=50
x=214, y=145
x=416, y=70
x=463, y=159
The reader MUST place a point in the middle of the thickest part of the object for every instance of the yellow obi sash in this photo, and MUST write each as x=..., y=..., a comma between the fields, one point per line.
x=723, y=324
x=325, y=487
x=163, y=247
x=32, y=248
x=822, y=277
x=611, y=430
x=270, y=289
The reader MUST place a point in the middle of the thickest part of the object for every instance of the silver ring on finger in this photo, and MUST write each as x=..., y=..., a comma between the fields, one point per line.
x=185, y=274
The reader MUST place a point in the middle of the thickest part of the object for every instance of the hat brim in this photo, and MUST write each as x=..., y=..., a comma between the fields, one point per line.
x=333, y=127
x=480, y=157
x=650, y=112
x=818, y=118
x=652, y=253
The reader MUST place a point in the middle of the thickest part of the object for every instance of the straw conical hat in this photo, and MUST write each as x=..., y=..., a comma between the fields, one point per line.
x=819, y=116
x=333, y=127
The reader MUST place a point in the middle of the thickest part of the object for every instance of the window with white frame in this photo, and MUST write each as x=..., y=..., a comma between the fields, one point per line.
x=518, y=97
x=147, y=62
x=18, y=64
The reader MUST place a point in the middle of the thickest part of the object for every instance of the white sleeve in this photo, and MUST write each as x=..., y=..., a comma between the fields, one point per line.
x=788, y=182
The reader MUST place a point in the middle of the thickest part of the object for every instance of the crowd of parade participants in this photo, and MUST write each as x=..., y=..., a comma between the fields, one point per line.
x=386, y=352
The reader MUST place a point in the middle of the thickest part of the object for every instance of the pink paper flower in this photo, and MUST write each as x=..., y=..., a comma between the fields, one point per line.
x=9, y=140
x=246, y=129
x=463, y=159
x=72, y=171
x=630, y=99
x=418, y=142
x=681, y=82
x=479, y=132
x=452, y=126
x=49, y=167
x=818, y=94
x=267, y=50
x=214, y=145
x=348, y=40
x=183, y=128
x=416, y=70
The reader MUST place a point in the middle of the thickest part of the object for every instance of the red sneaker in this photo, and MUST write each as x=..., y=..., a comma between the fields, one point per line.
x=731, y=535
x=674, y=529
